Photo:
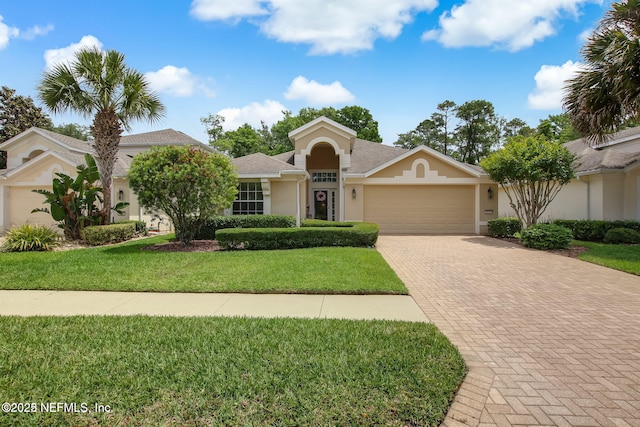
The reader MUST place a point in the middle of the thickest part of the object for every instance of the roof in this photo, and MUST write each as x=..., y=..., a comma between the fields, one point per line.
x=367, y=155
x=259, y=163
x=592, y=160
x=159, y=137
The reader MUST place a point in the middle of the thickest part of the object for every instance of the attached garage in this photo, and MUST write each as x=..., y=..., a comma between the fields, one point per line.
x=23, y=201
x=436, y=209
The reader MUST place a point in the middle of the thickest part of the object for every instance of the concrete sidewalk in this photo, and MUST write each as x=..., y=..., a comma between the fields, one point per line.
x=71, y=303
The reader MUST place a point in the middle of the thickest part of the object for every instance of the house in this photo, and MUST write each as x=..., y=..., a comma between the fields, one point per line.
x=35, y=155
x=607, y=183
x=331, y=174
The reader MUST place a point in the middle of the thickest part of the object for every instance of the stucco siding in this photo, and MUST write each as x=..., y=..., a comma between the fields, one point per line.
x=428, y=165
x=283, y=198
x=421, y=209
x=23, y=201
x=571, y=203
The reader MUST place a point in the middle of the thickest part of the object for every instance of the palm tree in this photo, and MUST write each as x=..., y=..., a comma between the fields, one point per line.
x=605, y=94
x=99, y=84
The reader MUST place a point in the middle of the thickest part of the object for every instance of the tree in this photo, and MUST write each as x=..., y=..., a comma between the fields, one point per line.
x=100, y=85
x=605, y=94
x=240, y=142
x=531, y=170
x=187, y=184
x=360, y=120
x=72, y=201
x=19, y=113
x=434, y=132
x=478, y=130
x=73, y=130
x=557, y=128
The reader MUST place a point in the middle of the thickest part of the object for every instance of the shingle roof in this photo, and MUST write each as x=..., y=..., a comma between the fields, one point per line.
x=367, y=155
x=67, y=140
x=159, y=137
x=591, y=160
x=259, y=163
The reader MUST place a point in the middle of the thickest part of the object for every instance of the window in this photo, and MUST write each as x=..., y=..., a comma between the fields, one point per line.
x=324, y=177
x=3, y=159
x=249, y=199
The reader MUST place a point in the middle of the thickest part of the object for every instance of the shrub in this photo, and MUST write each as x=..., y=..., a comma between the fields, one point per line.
x=323, y=223
x=209, y=228
x=355, y=234
x=546, y=236
x=622, y=235
x=504, y=227
x=141, y=226
x=29, y=237
x=595, y=230
x=104, y=234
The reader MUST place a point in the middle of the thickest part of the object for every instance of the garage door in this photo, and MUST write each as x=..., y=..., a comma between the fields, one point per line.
x=21, y=202
x=421, y=209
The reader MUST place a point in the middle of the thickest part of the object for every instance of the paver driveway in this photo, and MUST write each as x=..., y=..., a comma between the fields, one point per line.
x=549, y=340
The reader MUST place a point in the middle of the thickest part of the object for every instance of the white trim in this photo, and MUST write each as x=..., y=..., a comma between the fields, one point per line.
x=306, y=129
x=477, y=203
x=39, y=159
x=421, y=148
x=29, y=131
x=413, y=181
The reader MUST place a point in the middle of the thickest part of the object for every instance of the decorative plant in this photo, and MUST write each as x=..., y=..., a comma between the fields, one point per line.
x=29, y=237
x=74, y=203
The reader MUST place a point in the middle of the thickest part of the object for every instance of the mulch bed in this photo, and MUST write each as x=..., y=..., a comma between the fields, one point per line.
x=571, y=252
x=195, y=246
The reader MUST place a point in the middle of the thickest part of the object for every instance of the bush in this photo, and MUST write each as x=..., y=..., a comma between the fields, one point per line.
x=504, y=227
x=546, y=236
x=622, y=235
x=595, y=230
x=141, y=226
x=323, y=223
x=104, y=234
x=29, y=237
x=208, y=230
x=361, y=234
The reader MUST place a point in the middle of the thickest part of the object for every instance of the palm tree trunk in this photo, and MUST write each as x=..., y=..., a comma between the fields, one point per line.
x=106, y=131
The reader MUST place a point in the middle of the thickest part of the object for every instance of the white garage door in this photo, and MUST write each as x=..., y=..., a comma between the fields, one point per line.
x=421, y=209
x=21, y=202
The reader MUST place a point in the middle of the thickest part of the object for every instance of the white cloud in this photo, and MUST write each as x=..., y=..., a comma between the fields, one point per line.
x=208, y=10
x=508, y=24
x=329, y=26
x=269, y=111
x=53, y=57
x=550, y=80
x=316, y=93
x=6, y=33
x=179, y=82
x=36, y=31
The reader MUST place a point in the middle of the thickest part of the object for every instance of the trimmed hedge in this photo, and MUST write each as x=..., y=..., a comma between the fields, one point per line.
x=504, y=227
x=595, y=230
x=141, y=226
x=211, y=226
x=104, y=234
x=546, y=236
x=323, y=223
x=622, y=235
x=361, y=234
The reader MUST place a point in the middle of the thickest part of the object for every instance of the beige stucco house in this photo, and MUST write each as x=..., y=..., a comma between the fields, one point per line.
x=35, y=155
x=607, y=184
x=331, y=174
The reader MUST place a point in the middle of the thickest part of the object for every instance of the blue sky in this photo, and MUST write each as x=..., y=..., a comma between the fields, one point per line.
x=249, y=59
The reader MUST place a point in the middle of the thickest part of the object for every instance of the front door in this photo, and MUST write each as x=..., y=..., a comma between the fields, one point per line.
x=323, y=204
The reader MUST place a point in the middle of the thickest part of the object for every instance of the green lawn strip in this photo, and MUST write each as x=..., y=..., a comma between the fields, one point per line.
x=620, y=257
x=228, y=371
x=126, y=267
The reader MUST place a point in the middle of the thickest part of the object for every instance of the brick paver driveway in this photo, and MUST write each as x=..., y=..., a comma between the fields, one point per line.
x=549, y=340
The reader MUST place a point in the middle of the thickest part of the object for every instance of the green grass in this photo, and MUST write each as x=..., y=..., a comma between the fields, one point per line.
x=126, y=267
x=620, y=257
x=228, y=371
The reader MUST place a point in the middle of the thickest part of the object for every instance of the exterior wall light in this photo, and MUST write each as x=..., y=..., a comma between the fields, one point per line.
x=353, y=193
x=120, y=195
x=490, y=193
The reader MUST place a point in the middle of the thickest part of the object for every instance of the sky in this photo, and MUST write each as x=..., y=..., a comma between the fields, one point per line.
x=248, y=60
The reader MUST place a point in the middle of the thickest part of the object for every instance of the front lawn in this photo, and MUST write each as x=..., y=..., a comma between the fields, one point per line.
x=620, y=257
x=126, y=267
x=223, y=371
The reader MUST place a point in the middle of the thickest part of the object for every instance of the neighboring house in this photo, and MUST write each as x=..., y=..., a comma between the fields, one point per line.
x=607, y=184
x=333, y=175
x=330, y=175
x=35, y=155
